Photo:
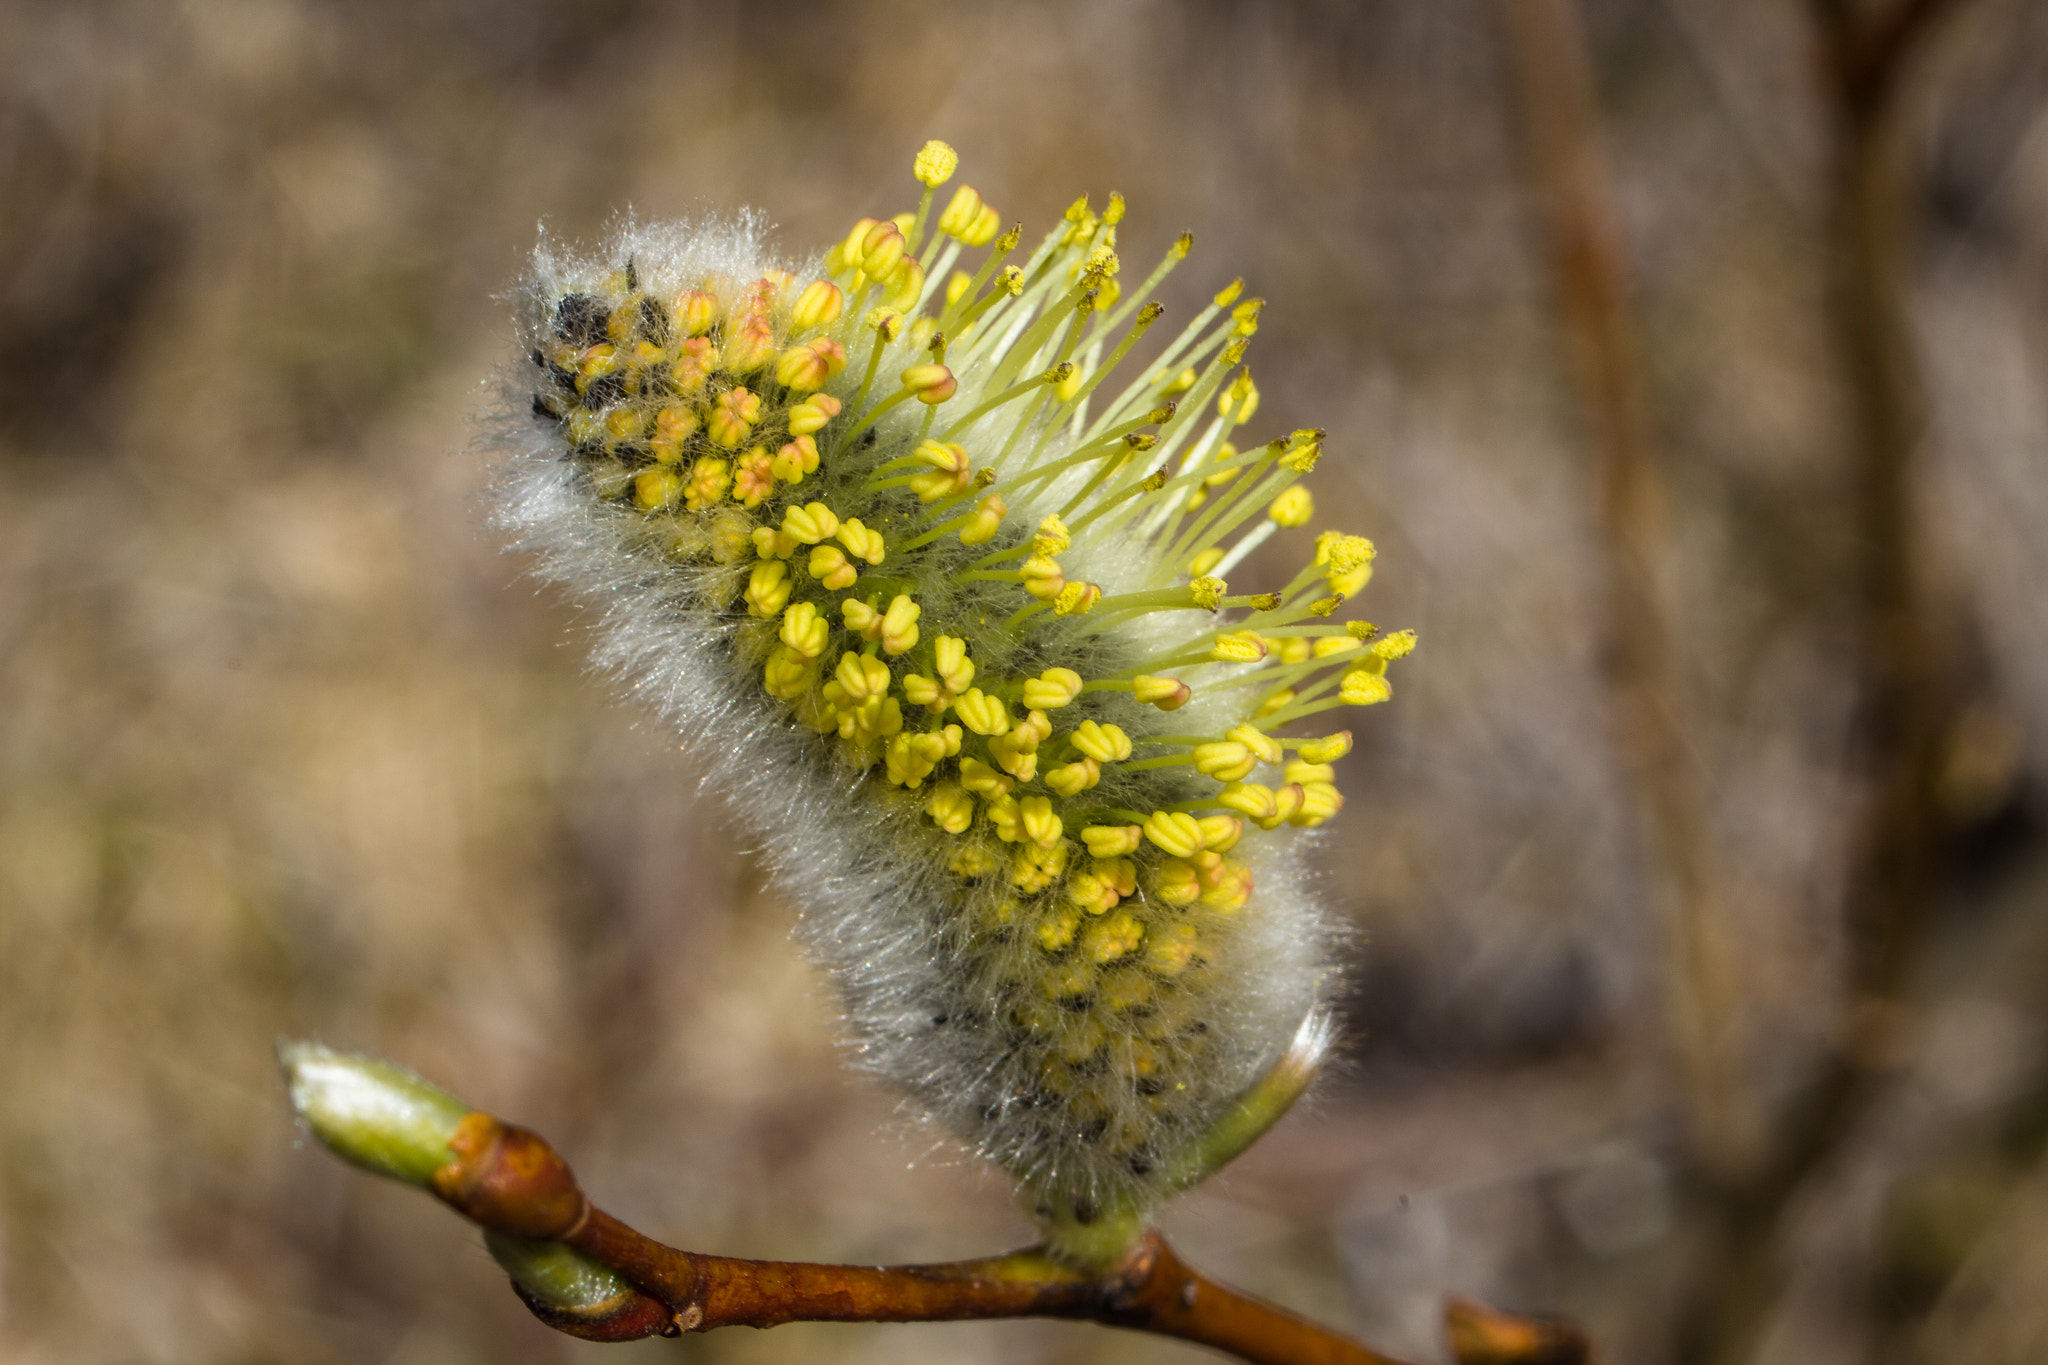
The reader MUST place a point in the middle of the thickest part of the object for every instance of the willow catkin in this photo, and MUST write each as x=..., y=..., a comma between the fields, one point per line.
x=926, y=566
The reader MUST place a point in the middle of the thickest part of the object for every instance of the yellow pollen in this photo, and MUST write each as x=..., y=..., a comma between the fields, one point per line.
x=935, y=163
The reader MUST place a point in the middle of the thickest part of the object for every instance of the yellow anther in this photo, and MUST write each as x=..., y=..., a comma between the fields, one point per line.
x=656, y=488
x=810, y=524
x=1229, y=889
x=1238, y=647
x=818, y=306
x=861, y=675
x=1103, y=743
x=753, y=477
x=696, y=311
x=1361, y=630
x=1225, y=760
x=1004, y=817
x=881, y=250
x=1032, y=869
x=1326, y=645
x=1052, y=689
x=949, y=456
x=811, y=415
x=951, y=809
x=1253, y=799
x=788, y=674
x=805, y=630
x=1043, y=577
x=935, y=163
x=984, y=781
x=1346, y=561
x=1220, y=833
x=981, y=526
x=1176, y=832
x=860, y=542
x=1091, y=893
x=930, y=382
x=908, y=759
x=796, y=459
x=1205, y=561
x=1208, y=592
x=1319, y=801
x=733, y=416
x=961, y=211
x=983, y=229
x=672, y=427
x=1071, y=779
x=596, y=363
x=899, y=625
x=695, y=360
x=1310, y=772
x=1168, y=694
x=951, y=736
x=1179, y=883
x=1052, y=538
x=1363, y=688
x=709, y=480
x=828, y=565
x=1121, y=933
x=1294, y=506
x=1228, y=294
x=932, y=484
x=805, y=368
x=981, y=713
x=1255, y=739
x=906, y=291
x=1077, y=599
x=922, y=691
x=1057, y=930
x=976, y=861
x=1240, y=400
x=1302, y=459
x=750, y=346
x=1069, y=384
x=957, y=284
x=951, y=663
x=768, y=588
x=1042, y=825
x=1016, y=753
x=861, y=618
x=1399, y=645
x=1112, y=841
x=1037, y=721
x=1296, y=649
x=1180, y=383
x=1326, y=750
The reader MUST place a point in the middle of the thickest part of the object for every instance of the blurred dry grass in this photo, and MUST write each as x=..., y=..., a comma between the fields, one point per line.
x=286, y=745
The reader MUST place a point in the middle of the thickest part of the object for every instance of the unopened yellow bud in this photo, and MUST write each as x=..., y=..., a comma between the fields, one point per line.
x=1254, y=800
x=828, y=565
x=1176, y=832
x=1294, y=507
x=656, y=488
x=709, y=480
x=950, y=661
x=861, y=619
x=812, y=414
x=930, y=382
x=899, y=625
x=1255, y=739
x=935, y=163
x=810, y=524
x=796, y=459
x=809, y=367
x=788, y=675
x=1225, y=760
x=860, y=542
x=768, y=588
x=1112, y=841
x=1168, y=694
x=818, y=306
x=987, y=517
x=881, y=250
x=984, y=781
x=1310, y=772
x=951, y=809
x=1071, y=779
x=1326, y=645
x=1220, y=833
x=906, y=290
x=1103, y=743
x=805, y=630
x=733, y=416
x=861, y=675
x=696, y=311
x=1319, y=801
x=1041, y=825
x=1043, y=577
x=1052, y=689
x=750, y=346
x=981, y=713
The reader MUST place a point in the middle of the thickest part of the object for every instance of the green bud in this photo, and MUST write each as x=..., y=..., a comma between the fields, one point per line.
x=373, y=1113
x=556, y=1274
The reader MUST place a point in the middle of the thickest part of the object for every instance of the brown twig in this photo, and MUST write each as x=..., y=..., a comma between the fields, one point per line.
x=509, y=1180
x=1547, y=44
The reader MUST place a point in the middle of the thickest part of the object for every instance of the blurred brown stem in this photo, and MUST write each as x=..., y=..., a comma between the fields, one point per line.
x=509, y=1180
x=1890, y=889
x=1547, y=44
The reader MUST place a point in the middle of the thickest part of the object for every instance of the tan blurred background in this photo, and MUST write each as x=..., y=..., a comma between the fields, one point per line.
x=288, y=746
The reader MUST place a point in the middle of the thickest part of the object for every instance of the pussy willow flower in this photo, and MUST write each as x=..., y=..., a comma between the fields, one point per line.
x=925, y=549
